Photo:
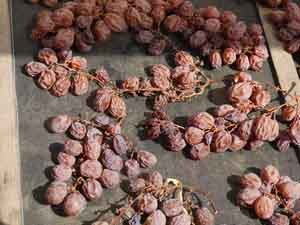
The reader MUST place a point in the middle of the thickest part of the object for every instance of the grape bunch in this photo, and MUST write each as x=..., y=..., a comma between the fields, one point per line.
x=248, y=122
x=275, y=3
x=92, y=159
x=228, y=129
x=290, y=114
x=165, y=84
x=48, y=3
x=271, y=196
x=225, y=40
x=61, y=73
x=159, y=201
x=287, y=22
x=219, y=35
x=248, y=95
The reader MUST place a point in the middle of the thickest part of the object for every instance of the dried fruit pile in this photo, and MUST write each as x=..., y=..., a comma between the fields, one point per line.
x=92, y=159
x=219, y=35
x=287, y=23
x=155, y=201
x=271, y=196
x=231, y=127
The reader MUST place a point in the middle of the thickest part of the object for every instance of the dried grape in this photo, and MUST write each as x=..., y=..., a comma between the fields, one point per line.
x=66, y=159
x=247, y=197
x=92, y=189
x=137, y=185
x=181, y=219
x=61, y=172
x=46, y=79
x=193, y=135
x=61, y=87
x=199, y=151
x=156, y=218
x=264, y=207
x=117, y=107
x=148, y=203
x=34, y=69
x=155, y=178
x=77, y=130
x=146, y=159
x=132, y=168
x=203, y=216
x=80, y=84
x=250, y=180
x=73, y=147
x=110, y=179
x=74, y=204
x=59, y=124
x=111, y=161
x=172, y=207
x=270, y=175
x=55, y=193
x=91, y=169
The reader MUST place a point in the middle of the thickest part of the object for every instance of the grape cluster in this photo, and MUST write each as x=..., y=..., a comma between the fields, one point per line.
x=246, y=94
x=48, y=3
x=219, y=35
x=248, y=122
x=226, y=40
x=270, y=195
x=154, y=201
x=165, y=84
x=275, y=3
x=290, y=114
x=91, y=159
x=287, y=23
x=60, y=72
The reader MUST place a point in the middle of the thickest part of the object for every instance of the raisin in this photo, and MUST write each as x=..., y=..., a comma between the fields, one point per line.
x=148, y=203
x=110, y=179
x=55, y=193
x=247, y=197
x=61, y=86
x=155, y=178
x=77, y=130
x=156, y=218
x=120, y=145
x=91, y=169
x=137, y=185
x=117, y=107
x=270, y=175
x=264, y=207
x=74, y=204
x=199, y=151
x=102, y=99
x=66, y=159
x=250, y=180
x=59, y=124
x=193, y=135
x=203, y=216
x=34, y=69
x=46, y=79
x=61, y=172
x=132, y=168
x=111, y=161
x=172, y=207
x=92, y=189
x=146, y=159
